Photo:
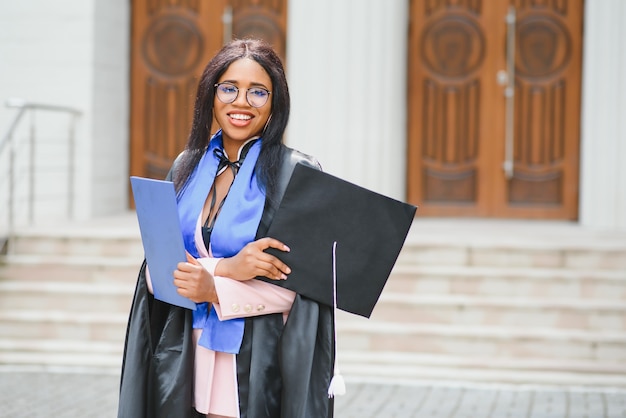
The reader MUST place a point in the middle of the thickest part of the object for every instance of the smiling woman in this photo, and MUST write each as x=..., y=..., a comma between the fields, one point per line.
x=242, y=116
x=235, y=355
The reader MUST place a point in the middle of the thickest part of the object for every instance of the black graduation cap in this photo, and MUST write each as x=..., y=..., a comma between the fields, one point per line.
x=369, y=229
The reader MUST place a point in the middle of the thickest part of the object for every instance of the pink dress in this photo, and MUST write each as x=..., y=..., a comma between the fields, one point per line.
x=215, y=373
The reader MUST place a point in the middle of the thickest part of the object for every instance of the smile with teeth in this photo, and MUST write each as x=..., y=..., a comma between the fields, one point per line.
x=240, y=116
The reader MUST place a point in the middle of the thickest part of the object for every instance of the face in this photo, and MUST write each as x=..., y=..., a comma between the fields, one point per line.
x=239, y=120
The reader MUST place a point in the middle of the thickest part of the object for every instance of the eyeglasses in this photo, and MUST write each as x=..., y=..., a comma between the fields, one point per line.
x=227, y=93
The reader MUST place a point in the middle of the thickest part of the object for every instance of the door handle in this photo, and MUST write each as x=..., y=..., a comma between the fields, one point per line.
x=507, y=78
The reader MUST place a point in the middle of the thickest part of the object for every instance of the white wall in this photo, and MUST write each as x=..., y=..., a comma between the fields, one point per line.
x=603, y=139
x=43, y=46
x=72, y=53
x=111, y=106
x=346, y=63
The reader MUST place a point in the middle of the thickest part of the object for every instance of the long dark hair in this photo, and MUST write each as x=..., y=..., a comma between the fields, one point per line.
x=272, y=138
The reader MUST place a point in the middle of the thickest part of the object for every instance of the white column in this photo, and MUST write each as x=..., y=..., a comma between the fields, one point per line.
x=603, y=138
x=111, y=103
x=346, y=64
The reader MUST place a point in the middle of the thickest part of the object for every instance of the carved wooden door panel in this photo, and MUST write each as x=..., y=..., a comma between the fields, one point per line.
x=171, y=43
x=458, y=117
x=264, y=19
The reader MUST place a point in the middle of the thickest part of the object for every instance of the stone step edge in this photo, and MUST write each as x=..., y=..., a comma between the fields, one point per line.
x=70, y=260
x=421, y=374
x=24, y=345
x=530, y=245
x=381, y=328
x=532, y=302
x=405, y=359
x=59, y=359
x=352, y=357
x=507, y=239
x=536, y=273
x=67, y=288
x=426, y=300
x=52, y=316
x=400, y=269
x=349, y=325
x=354, y=372
x=127, y=229
x=61, y=353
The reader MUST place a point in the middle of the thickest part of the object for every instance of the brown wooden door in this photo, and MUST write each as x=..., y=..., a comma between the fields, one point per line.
x=458, y=112
x=171, y=43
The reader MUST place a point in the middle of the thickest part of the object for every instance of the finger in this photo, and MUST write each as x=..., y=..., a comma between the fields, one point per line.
x=271, y=262
x=184, y=267
x=180, y=284
x=191, y=259
x=277, y=263
x=270, y=271
x=281, y=267
x=273, y=243
x=181, y=276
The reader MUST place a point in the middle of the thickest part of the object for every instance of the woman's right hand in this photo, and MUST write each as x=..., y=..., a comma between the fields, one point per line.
x=252, y=261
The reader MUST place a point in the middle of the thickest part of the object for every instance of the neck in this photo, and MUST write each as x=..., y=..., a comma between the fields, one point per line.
x=233, y=150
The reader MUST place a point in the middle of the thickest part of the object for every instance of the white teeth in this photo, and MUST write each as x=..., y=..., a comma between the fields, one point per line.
x=240, y=117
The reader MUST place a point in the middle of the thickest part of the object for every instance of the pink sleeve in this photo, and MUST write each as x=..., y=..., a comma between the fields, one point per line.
x=250, y=298
x=239, y=299
x=149, y=280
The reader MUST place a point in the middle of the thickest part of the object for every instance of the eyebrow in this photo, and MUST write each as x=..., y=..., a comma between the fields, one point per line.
x=252, y=84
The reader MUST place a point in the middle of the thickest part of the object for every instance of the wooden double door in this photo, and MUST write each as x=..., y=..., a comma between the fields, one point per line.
x=172, y=41
x=494, y=108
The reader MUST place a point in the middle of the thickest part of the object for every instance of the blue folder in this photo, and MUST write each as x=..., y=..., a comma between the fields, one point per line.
x=157, y=213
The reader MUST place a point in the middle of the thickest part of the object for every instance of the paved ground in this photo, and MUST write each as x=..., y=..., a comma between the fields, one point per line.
x=35, y=393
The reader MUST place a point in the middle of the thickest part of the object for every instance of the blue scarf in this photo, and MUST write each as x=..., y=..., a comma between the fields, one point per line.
x=235, y=227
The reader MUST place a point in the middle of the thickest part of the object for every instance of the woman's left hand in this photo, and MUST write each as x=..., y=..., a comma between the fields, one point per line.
x=252, y=261
x=194, y=281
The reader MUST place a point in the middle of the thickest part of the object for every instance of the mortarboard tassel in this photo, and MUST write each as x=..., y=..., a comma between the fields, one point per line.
x=337, y=385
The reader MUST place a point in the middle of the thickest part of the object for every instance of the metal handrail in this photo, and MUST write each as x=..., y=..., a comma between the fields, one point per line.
x=23, y=105
x=7, y=138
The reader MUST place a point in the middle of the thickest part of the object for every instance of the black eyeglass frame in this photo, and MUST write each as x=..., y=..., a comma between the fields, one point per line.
x=216, y=86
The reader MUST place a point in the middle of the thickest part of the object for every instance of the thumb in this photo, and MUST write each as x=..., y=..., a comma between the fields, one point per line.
x=190, y=259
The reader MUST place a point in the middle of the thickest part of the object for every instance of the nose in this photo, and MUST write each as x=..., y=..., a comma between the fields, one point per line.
x=241, y=99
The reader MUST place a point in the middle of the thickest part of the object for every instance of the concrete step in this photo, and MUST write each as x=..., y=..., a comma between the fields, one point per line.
x=430, y=242
x=116, y=236
x=576, y=283
x=520, y=312
x=479, y=301
x=33, y=267
x=70, y=297
x=63, y=325
x=489, y=363
x=61, y=353
x=497, y=254
x=102, y=245
x=509, y=243
x=416, y=367
x=488, y=341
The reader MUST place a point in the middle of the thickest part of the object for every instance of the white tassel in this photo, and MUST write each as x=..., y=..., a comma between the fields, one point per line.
x=337, y=384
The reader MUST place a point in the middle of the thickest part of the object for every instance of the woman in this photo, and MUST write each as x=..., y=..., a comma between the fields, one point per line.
x=251, y=349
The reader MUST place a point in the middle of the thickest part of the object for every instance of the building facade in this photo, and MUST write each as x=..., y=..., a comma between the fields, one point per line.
x=360, y=74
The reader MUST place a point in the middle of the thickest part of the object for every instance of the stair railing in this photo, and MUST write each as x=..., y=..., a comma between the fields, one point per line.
x=8, y=143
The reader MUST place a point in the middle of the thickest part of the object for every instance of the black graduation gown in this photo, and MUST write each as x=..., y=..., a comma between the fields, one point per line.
x=283, y=371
